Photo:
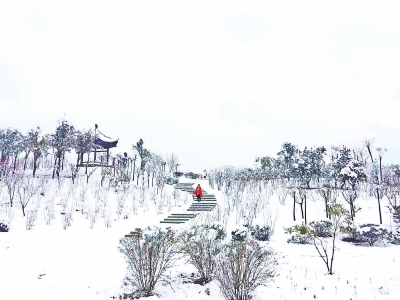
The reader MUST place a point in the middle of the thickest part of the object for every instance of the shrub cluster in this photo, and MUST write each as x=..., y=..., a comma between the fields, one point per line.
x=201, y=244
x=148, y=256
x=396, y=236
x=242, y=267
x=239, y=267
x=298, y=234
x=372, y=233
x=239, y=235
x=262, y=234
x=367, y=233
x=3, y=227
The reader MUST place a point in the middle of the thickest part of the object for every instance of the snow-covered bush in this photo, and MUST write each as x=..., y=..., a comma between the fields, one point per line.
x=201, y=244
x=243, y=266
x=49, y=206
x=321, y=228
x=372, y=234
x=3, y=227
x=298, y=234
x=121, y=199
x=31, y=216
x=239, y=235
x=107, y=216
x=148, y=256
x=353, y=233
x=263, y=233
x=395, y=236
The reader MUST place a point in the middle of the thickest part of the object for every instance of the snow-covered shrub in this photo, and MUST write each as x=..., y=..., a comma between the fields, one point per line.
x=107, y=216
x=49, y=208
x=121, y=198
x=263, y=233
x=120, y=182
x=239, y=235
x=169, y=202
x=201, y=244
x=395, y=236
x=321, y=228
x=67, y=219
x=82, y=198
x=220, y=231
x=298, y=234
x=31, y=216
x=148, y=256
x=395, y=211
x=3, y=227
x=134, y=202
x=353, y=233
x=372, y=233
x=243, y=266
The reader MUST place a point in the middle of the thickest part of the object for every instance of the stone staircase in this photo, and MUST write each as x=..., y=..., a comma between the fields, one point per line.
x=207, y=203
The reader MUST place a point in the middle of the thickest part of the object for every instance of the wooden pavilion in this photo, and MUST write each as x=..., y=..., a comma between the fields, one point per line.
x=101, y=144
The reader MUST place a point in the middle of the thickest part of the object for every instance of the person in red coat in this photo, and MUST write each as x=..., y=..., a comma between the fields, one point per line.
x=198, y=192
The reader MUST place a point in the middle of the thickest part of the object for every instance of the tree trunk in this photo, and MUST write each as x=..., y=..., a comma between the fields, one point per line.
x=26, y=159
x=379, y=205
x=34, y=165
x=294, y=206
x=15, y=162
x=333, y=252
x=63, y=158
x=351, y=210
x=133, y=173
x=326, y=207
x=370, y=154
x=305, y=209
x=54, y=168
x=302, y=211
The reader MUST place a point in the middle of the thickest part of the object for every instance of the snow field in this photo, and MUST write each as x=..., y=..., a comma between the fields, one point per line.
x=48, y=262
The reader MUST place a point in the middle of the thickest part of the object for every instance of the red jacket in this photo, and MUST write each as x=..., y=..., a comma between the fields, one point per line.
x=198, y=191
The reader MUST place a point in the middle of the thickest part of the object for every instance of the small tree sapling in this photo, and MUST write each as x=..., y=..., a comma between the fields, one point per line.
x=339, y=215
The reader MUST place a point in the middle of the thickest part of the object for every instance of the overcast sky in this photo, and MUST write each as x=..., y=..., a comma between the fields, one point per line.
x=215, y=82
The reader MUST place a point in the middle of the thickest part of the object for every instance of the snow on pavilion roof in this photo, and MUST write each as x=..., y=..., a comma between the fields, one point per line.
x=105, y=143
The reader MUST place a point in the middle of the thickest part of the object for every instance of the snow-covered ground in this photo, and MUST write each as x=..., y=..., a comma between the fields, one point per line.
x=48, y=262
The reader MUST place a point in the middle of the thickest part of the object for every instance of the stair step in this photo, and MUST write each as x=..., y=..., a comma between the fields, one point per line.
x=172, y=222
x=193, y=215
x=205, y=200
x=177, y=219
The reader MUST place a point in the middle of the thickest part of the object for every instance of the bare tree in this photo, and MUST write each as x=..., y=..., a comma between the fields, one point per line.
x=26, y=189
x=12, y=179
x=339, y=216
x=172, y=162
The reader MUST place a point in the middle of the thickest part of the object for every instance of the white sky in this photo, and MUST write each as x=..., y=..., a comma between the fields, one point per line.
x=216, y=82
